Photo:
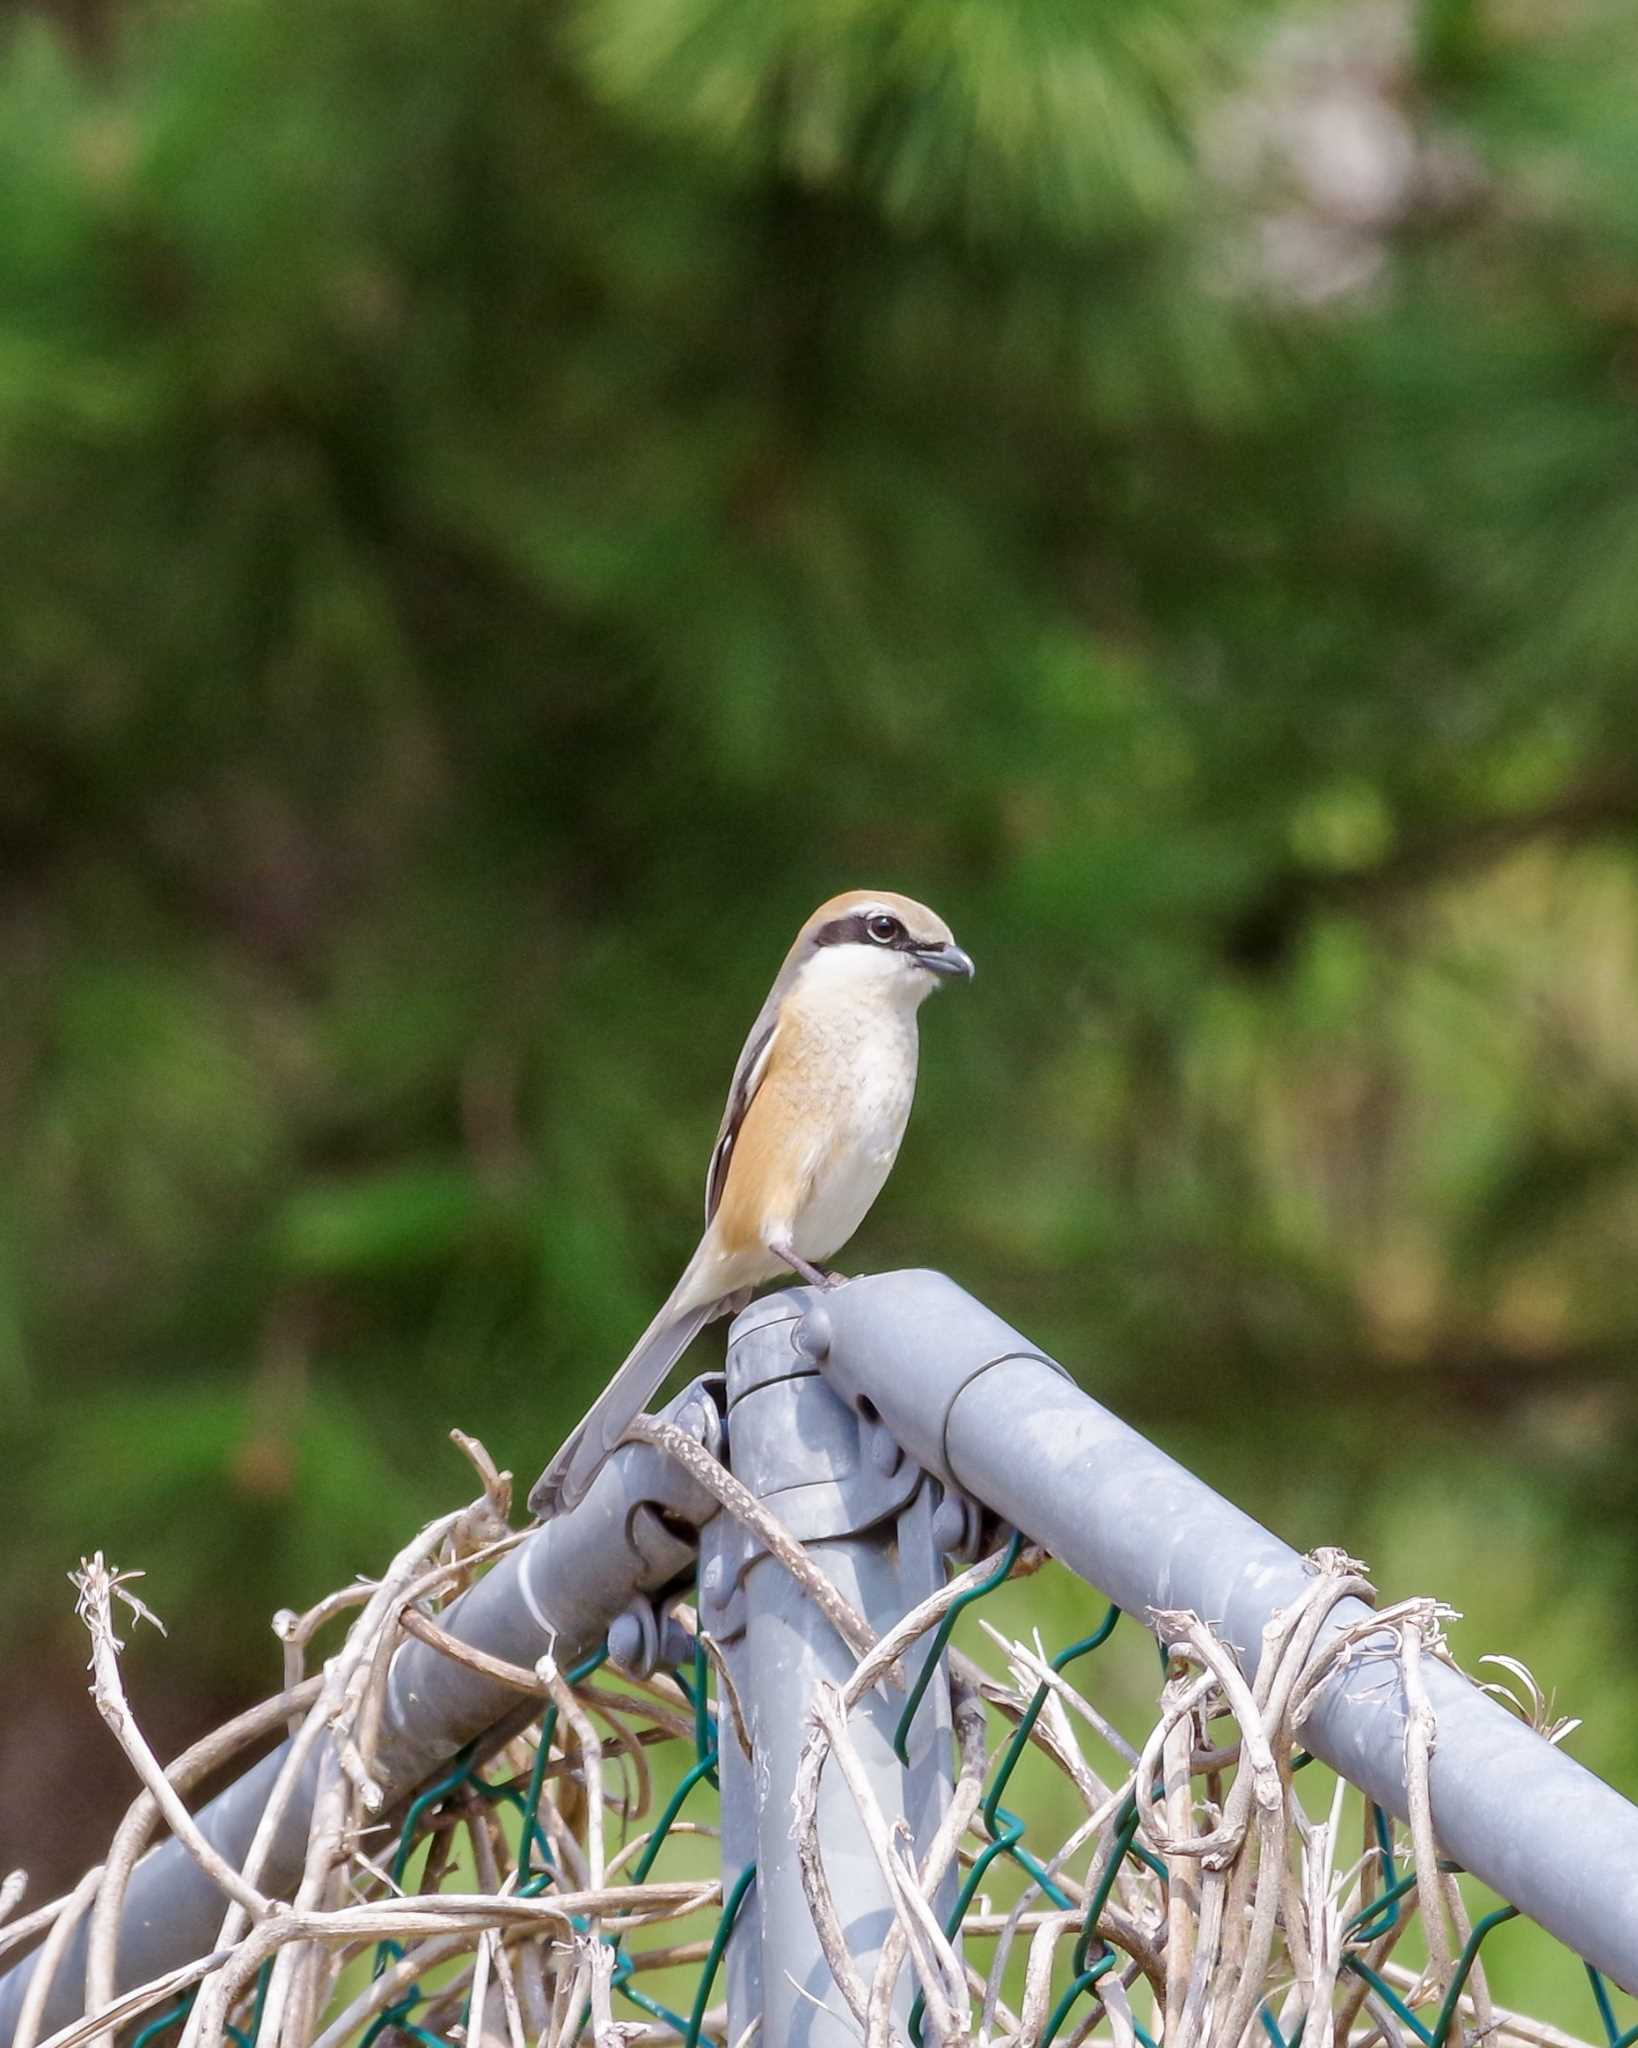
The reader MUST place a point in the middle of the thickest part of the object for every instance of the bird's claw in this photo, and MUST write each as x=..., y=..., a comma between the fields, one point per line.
x=822, y=1277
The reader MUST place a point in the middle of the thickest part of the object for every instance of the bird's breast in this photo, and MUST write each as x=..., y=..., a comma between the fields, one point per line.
x=859, y=1077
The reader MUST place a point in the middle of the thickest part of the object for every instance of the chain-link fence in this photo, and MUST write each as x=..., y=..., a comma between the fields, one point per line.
x=954, y=1834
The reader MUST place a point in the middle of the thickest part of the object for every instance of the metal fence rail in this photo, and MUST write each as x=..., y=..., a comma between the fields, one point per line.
x=837, y=1403
x=975, y=1403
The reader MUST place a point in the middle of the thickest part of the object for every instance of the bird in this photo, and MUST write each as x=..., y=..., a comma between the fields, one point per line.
x=815, y=1115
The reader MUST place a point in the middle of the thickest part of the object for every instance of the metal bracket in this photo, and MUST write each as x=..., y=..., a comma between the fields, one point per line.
x=820, y=1491
x=659, y=1493
x=647, y=1636
x=958, y=1523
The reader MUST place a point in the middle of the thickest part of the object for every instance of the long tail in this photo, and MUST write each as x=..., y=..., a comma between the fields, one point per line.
x=581, y=1458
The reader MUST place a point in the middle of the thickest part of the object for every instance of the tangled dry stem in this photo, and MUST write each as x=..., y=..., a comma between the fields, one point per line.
x=1258, y=1909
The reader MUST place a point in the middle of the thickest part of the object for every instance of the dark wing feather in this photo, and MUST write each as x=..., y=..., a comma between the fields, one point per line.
x=753, y=1064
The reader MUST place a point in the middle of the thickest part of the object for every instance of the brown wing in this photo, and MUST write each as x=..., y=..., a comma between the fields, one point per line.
x=752, y=1069
x=748, y=1076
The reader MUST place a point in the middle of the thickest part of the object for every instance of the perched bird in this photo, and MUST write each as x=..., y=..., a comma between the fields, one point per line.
x=818, y=1105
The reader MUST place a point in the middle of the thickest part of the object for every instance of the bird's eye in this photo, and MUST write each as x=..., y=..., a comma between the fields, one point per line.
x=884, y=929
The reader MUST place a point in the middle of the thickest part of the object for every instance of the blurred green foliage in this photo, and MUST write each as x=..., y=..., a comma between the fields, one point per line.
x=501, y=509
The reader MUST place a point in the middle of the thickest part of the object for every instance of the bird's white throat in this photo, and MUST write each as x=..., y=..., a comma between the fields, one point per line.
x=864, y=974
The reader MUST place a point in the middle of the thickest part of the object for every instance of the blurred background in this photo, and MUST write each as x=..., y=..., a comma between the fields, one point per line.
x=502, y=508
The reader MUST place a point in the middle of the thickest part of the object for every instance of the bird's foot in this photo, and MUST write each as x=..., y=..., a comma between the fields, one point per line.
x=822, y=1277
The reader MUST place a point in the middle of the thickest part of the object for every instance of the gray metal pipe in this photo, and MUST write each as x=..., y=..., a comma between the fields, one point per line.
x=978, y=1405
x=563, y=1589
x=865, y=1517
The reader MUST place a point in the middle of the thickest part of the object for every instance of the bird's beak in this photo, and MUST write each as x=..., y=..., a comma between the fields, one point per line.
x=945, y=960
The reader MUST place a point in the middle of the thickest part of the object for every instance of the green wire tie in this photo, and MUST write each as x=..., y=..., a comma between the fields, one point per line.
x=247, y=2038
x=652, y=2006
x=704, y=1766
x=169, y=2018
x=398, y=2013
x=1361, y=1928
x=1083, y=1981
x=697, y=1695
x=1464, y=1968
x=673, y=1806
x=940, y=1642
x=461, y=1772
x=1087, y=1973
x=1375, y=1919
x=1032, y=1713
x=1119, y=1849
x=623, y=1968
x=239, y=2035
x=1006, y=1837
x=1383, y=1910
x=719, y=1941
x=528, y=1886
x=1433, y=2037
x=1387, y=1900
x=1606, y=2013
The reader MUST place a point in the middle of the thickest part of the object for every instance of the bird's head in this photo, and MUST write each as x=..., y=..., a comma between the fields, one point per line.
x=871, y=939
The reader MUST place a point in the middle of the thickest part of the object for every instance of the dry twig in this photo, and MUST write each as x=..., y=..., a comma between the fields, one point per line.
x=1254, y=1905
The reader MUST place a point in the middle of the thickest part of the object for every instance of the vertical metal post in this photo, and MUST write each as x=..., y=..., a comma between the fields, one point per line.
x=865, y=1515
